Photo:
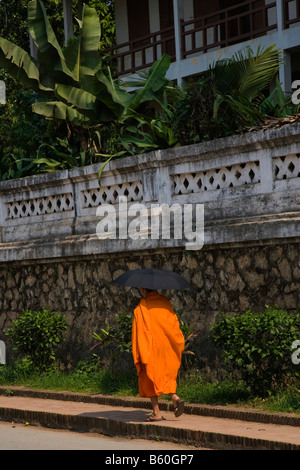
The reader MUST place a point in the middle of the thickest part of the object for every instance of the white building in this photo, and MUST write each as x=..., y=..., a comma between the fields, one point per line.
x=195, y=33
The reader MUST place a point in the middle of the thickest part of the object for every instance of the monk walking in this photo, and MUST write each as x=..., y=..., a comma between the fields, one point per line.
x=157, y=346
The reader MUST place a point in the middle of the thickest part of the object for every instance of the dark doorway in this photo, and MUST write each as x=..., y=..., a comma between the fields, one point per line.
x=166, y=17
x=138, y=21
x=206, y=7
x=239, y=24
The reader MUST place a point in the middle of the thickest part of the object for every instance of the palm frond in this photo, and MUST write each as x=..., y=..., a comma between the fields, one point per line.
x=255, y=71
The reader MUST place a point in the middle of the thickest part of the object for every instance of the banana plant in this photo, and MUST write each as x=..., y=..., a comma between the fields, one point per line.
x=56, y=67
x=73, y=67
x=79, y=89
x=73, y=77
x=125, y=104
x=50, y=56
x=85, y=92
x=20, y=65
x=108, y=99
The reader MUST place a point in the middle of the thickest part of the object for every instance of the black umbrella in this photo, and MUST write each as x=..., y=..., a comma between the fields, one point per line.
x=152, y=279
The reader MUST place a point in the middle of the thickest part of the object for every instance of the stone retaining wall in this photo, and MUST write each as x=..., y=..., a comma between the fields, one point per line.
x=223, y=279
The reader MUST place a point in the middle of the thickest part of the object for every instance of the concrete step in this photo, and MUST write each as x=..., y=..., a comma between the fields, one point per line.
x=200, y=426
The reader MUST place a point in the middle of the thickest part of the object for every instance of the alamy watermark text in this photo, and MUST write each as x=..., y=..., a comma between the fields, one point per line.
x=296, y=92
x=296, y=353
x=137, y=221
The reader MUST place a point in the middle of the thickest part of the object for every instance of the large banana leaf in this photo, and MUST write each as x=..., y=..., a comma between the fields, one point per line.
x=50, y=54
x=154, y=83
x=85, y=102
x=125, y=104
x=59, y=111
x=89, y=42
x=22, y=67
x=109, y=92
x=82, y=56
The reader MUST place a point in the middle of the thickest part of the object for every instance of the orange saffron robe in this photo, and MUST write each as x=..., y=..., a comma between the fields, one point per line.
x=157, y=345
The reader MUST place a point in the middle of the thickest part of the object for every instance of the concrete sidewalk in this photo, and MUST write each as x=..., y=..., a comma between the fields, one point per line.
x=215, y=427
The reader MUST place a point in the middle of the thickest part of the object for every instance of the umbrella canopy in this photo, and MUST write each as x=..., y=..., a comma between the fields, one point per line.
x=152, y=279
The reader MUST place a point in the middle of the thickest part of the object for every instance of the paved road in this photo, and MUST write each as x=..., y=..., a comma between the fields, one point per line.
x=21, y=437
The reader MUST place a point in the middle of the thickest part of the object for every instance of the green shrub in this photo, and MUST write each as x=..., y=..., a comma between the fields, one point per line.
x=119, y=335
x=259, y=345
x=37, y=335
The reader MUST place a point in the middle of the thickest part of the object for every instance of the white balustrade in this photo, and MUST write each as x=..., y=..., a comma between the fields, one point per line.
x=246, y=183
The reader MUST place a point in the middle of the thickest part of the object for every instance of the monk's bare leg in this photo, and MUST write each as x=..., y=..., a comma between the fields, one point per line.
x=156, y=411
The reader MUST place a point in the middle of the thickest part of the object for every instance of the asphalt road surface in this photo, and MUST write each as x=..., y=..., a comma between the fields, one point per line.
x=22, y=437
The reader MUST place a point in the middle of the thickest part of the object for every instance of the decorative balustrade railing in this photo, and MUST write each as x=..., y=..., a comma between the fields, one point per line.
x=228, y=26
x=225, y=27
x=135, y=55
x=249, y=186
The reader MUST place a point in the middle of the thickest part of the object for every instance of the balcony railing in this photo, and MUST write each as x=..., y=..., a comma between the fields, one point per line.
x=247, y=20
x=229, y=26
x=140, y=53
x=291, y=12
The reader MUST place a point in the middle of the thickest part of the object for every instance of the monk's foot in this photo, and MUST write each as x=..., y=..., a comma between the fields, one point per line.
x=175, y=400
x=153, y=418
x=178, y=407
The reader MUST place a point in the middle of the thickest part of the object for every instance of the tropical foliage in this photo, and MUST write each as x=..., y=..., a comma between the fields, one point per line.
x=79, y=114
x=24, y=134
x=78, y=89
x=233, y=95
